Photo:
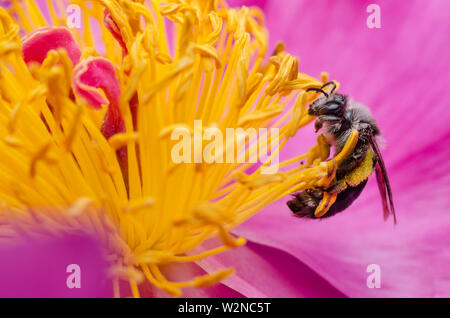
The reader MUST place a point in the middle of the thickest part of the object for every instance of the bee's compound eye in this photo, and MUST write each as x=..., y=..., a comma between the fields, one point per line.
x=331, y=107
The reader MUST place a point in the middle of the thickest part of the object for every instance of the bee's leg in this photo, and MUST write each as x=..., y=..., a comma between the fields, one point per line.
x=319, y=152
x=331, y=169
x=324, y=206
x=348, y=148
x=324, y=118
x=332, y=166
x=357, y=157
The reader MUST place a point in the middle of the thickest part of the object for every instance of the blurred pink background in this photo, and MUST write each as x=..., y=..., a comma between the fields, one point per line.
x=401, y=72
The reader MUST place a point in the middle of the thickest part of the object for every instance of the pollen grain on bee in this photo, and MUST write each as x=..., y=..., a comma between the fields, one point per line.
x=214, y=144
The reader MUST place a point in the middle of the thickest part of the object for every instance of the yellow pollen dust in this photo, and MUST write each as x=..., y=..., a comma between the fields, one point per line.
x=185, y=61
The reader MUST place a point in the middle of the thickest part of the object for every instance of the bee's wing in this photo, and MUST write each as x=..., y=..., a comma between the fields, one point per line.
x=383, y=183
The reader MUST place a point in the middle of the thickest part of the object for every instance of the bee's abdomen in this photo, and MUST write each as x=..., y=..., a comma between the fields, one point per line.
x=346, y=198
x=305, y=203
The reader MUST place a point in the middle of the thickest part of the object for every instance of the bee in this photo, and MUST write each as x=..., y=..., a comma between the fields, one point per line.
x=340, y=119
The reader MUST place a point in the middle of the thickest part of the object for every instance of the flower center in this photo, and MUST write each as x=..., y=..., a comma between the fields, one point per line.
x=88, y=135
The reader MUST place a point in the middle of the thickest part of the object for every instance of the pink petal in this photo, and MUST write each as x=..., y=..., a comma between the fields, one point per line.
x=262, y=271
x=413, y=255
x=37, y=44
x=39, y=268
x=98, y=73
x=396, y=70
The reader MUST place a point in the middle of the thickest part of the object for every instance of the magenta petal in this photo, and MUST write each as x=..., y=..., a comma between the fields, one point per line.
x=41, y=268
x=413, y=255
x=37, y=44
x=98, y=73
x=262, y=271
x=397, y=70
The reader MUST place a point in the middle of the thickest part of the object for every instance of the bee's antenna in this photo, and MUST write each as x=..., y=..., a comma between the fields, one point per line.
x=319, y=90
x=330, y=83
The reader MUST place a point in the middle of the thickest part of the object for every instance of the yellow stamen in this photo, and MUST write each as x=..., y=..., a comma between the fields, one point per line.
x=148, y=210
x=120, y=140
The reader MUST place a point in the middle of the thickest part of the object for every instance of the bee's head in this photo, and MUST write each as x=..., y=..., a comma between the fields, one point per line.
x=329, y=104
